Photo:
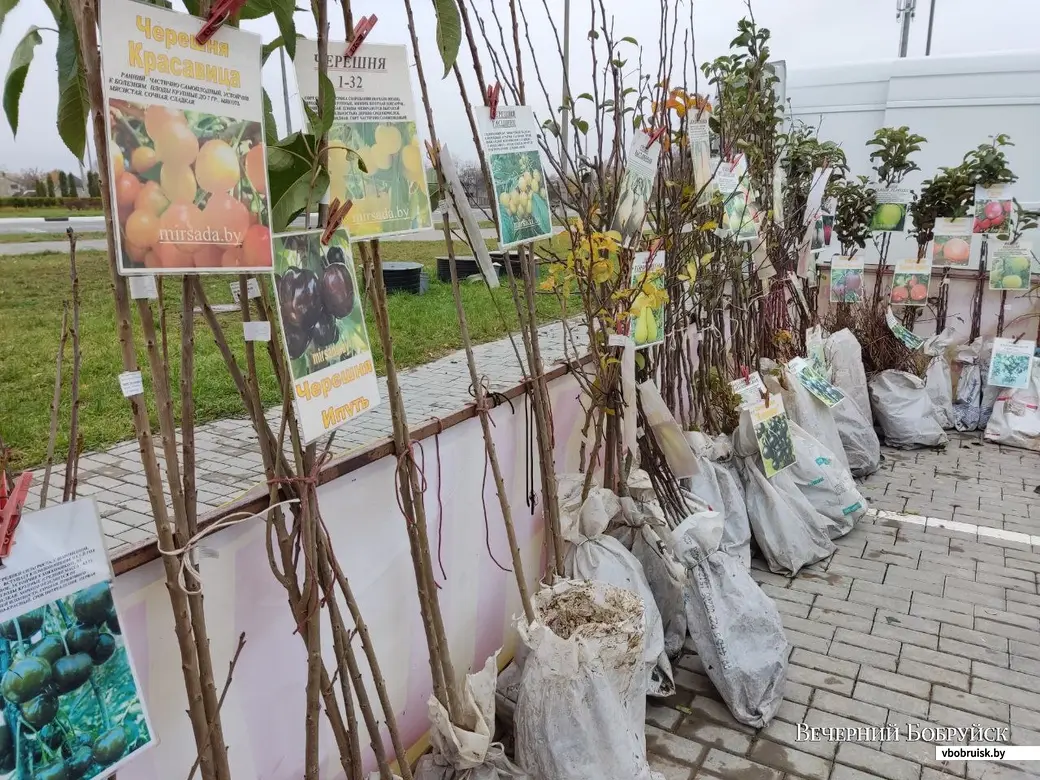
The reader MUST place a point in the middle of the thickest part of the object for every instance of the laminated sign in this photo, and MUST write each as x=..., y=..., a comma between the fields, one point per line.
x=375, y=121
x=951, y=244
x=1011, y=363
x=646, y=322
x=511, y=143
x=908, y=338
x=846, y=279
x=636, y=187
x=891, y=210
x=188, y=169
x=993, y=207
x=910, y=281
x=1011, y=267
x=773, y=434
x=813, y=381
x=65, y=664
x=319, y=305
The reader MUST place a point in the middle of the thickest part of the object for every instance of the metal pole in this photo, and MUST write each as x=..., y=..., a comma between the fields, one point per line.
x=931, y=20
x=905, y=9
x=285, y=92
x=564, y=113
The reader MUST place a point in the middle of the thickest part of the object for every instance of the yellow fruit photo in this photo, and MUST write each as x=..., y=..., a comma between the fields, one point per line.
x=646, y=318
x=379, y=166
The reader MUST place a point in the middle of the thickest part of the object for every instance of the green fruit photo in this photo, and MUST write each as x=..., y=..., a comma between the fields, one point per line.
x=73, y=707
x=889, y=218
x=523, y=199
x=1010, y=271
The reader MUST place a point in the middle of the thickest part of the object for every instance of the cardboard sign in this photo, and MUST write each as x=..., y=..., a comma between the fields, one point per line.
x=376, y=122
x=67, y=663
x=510, y=141
x=636, y=188
x=323, y=331
x=188, y=166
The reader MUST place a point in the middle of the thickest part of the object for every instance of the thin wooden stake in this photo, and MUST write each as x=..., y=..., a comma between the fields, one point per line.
x=55, y=404
x=77, y=356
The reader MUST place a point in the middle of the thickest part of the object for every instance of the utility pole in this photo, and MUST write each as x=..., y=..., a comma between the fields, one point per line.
x=565, y=121
x=931, y=21
x=905, y=12
x=285, y=92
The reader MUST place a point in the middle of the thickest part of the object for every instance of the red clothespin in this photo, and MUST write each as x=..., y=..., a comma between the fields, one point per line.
x=492, y=98
x=655, y=135
x=744, y=373
x=336, y=214
x=11, y=509
x=361, y=31
x=220, y=13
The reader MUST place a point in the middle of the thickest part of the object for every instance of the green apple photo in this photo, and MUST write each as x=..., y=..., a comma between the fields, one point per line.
x=889, y=218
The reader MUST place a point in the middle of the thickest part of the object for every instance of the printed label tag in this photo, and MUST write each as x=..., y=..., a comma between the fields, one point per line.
x=252, y=289
x=143, y=287
x=256, y=330
x=131, y=384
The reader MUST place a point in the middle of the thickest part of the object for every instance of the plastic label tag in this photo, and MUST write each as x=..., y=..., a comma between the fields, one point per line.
x=256, y=330
x=143, y=287
x=252, y=290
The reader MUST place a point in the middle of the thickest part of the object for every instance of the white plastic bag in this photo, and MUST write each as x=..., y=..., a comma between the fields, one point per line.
x=938, y=379
x=862, y=447
x=735, y=627
x=904, y=411
x=718, y=485
x=789, y=532
x=593, y=555
x=827, y=485
x=1015, y=421
x=582, y=703
x=845, y=363
x=465, y=751
x=645, y=532
x=808, y=411
x=967, y=403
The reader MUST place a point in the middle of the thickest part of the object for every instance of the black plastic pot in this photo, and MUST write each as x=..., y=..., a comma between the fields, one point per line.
x=402, y=277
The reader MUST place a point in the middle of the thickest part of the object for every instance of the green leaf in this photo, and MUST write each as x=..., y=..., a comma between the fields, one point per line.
x=269, y=48
x=283, y=15
x=581, y=125
x=291, y=167
x=584, y=96
x=629, y=39
x=16, y=72
x=328, y=110
x=270, y=127
x=449, y=32
x=192, y=6
x=73, y=100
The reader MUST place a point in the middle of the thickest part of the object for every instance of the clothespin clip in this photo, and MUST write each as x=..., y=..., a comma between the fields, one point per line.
x=361, y=31
x=220, y=13
x=492, y=98
x=11, y=509
x=744, y=373
x=655, y=135
x=335, y=218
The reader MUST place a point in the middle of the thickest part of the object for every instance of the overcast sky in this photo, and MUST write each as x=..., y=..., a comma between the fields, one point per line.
x=806, y=33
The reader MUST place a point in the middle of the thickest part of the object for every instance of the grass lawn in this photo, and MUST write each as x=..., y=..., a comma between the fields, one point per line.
x=33, y=287
x=47, y=211
x=33, y=238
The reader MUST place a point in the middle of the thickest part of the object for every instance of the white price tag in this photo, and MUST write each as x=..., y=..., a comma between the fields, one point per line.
x=617, y=340
x=252, y=289
x=256, y=330
x=143, y=287
x=131, y=384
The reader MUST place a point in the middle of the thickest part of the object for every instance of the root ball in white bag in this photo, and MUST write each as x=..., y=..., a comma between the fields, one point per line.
x=1015, y=420
x=582, y=704
x=718, y=485
x=826, y=484
x=593, y=555
x=905, y=411
x=735, y=627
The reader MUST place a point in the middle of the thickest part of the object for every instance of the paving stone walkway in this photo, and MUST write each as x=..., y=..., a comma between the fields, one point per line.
x=229, y=461
x=927, y=614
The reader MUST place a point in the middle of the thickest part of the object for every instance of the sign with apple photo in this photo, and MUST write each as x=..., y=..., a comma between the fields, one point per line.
x=910, y=282
x=187, y=165
x=993, y=207
x=323, y=331
x=891, y=210
x=1011, y=268
x=515, y=159
x=846, y=279
x=951, y=242
x=74, y=705
x=375, y=155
